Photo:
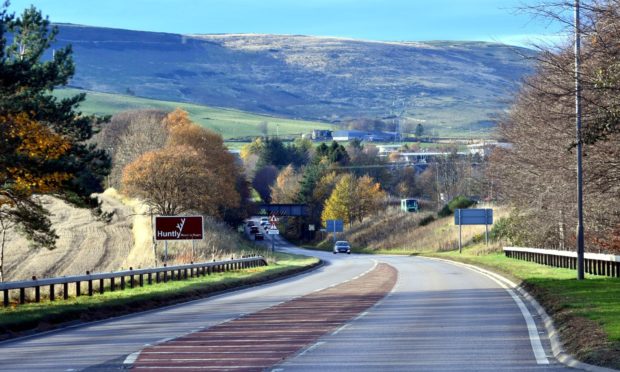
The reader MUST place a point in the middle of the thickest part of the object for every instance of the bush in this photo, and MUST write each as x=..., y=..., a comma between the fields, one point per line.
x=460, y=202
x=427, y=220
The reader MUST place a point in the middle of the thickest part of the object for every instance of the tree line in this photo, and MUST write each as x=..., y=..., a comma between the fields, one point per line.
x=538, y=175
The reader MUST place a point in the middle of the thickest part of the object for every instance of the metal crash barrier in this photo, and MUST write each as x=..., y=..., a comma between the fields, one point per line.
x=120, y=279
x=595, y=263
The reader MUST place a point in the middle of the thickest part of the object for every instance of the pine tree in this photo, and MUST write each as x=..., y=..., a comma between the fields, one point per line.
x=43, y=139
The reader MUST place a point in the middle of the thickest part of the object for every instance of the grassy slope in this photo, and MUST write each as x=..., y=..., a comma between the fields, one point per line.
x=49, y=314
x=587, y=313
x=229, y=123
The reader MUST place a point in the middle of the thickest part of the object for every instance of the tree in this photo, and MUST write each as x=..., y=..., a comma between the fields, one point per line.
x=216, y=159
x=419, y=130
x=169, y=180
x=263, y=128
x=537, y=175
x=193, y=172
x=370, y=197
x=287, y=186
x=130, y=134
x=45, y=146
x=342, y=202
x=353, y=199
x=334, y=153
x=263, y=179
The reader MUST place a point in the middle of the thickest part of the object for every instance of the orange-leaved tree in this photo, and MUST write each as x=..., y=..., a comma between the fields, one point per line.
x=194, y=171
x=29, y=153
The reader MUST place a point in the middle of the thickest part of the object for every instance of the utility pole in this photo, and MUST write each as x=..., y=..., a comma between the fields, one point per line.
x=580, y=237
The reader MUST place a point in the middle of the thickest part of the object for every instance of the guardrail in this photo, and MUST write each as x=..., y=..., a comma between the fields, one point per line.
x=594, y=263
x=131, y=277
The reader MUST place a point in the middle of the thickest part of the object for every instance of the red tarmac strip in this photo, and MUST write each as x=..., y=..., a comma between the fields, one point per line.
x=263, y=339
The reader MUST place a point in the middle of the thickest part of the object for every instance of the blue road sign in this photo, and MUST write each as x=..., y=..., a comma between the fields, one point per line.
x=473, y=217
x=334, y=226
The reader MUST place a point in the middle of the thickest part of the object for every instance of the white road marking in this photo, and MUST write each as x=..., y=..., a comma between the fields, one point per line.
x=537, y=348
x=340, y=329
x=131, y=358
x=312, y=347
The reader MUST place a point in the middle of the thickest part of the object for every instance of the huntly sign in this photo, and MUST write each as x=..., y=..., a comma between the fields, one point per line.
x=178, y=227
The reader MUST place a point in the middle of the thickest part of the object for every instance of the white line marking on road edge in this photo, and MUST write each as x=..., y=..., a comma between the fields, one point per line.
x=537, y=348
x=361, y=315
x=131, y=358
x=312, y=347
x=340, y=329
x=165, y=340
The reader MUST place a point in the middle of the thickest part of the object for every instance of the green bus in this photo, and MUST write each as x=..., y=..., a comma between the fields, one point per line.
x=409, y=205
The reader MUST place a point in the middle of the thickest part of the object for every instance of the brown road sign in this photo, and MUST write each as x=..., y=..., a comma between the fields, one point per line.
x=178, y=228
x=261, y=340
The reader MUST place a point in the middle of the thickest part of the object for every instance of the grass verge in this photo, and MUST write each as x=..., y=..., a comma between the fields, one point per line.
x=586, y=313
x=36, y=317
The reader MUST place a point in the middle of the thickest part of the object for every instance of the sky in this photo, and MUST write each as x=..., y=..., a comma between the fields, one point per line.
x=385, y=20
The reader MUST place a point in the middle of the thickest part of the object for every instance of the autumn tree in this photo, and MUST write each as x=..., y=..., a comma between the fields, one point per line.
x=354, y=199
x=45, y=147
x=194, y=171
x=287, y=186
x=170, y=180
x=370, y=197
x=342, y=202
x=218, y=161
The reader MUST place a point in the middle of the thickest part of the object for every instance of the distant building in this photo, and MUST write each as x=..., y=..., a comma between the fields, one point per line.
x=348, y=135
x=484, y=149
x=321, y=135
x=370, y=136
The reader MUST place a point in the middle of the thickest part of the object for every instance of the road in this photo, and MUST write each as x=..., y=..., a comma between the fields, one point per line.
x=437, y=317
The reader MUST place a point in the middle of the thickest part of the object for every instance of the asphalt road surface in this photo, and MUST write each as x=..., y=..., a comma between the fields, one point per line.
x=437, y=316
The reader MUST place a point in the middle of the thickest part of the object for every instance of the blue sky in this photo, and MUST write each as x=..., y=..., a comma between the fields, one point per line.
x=411, y=20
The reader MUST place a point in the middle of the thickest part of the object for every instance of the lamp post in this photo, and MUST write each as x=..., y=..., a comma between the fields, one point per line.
x=580, y=237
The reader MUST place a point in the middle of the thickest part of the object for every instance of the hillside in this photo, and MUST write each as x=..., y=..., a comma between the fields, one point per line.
x=446, y=85
x=229, y=123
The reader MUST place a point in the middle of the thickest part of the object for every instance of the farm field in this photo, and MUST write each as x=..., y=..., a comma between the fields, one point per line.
x=227, y=122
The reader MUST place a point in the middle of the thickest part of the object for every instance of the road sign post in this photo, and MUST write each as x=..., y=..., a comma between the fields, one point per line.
x=178, y=228
x=334, y=226
x=473, y=217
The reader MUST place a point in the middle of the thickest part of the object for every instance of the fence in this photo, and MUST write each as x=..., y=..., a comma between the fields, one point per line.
x=594, y=263
x=122, y=278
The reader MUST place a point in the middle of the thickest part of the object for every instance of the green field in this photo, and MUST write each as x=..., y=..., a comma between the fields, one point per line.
x=228, y=122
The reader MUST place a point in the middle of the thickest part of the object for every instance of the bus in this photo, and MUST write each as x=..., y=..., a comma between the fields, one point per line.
x=409, y=205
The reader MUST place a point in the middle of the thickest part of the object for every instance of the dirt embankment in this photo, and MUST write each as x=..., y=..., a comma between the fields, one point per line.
x=84, y=242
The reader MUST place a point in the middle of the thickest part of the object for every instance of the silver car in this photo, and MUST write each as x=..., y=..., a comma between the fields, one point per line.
x=342, y=246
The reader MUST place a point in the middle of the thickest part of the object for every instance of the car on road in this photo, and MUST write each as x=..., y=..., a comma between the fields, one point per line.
x=254, y=230
x=250, y=224
x=259, y=236
x=342, y=246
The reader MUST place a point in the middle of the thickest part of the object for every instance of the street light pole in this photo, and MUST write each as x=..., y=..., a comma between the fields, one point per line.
x=580, y=237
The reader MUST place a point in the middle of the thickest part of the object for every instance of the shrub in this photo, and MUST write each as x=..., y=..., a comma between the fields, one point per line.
x=460, y=202
x=427, y=220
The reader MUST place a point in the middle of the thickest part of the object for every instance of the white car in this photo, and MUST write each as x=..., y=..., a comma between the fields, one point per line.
x=342, y=246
